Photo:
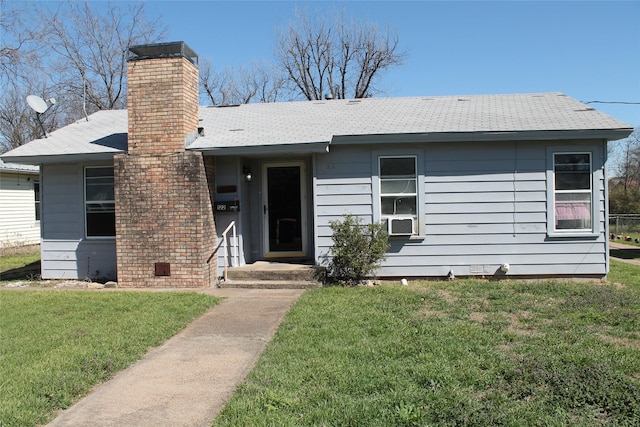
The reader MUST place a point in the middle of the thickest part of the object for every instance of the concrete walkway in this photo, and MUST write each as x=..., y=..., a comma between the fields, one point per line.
x=187, y=380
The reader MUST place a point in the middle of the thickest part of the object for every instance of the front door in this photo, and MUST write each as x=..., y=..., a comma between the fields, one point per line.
x=284, y=210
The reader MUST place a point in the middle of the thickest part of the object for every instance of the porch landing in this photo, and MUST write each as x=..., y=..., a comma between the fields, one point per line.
x=274, y=275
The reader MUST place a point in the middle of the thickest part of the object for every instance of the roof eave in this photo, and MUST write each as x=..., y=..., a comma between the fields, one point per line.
x=20, y=171
x=486, y=136
x=62, y=158
x=297, y=148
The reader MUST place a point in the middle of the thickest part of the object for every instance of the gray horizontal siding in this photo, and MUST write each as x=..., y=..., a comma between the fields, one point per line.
x=517, y=270
x=345, y=199
x=494, y=175
x=487, y=197
x=464, y=238
x=507, y=186
x=328, y=213
x=67, y=259
x=483, y=218
x=488, y=230
x=66, y=253
x=62, y=198
x=355, y=187
x=440, y=258
x=483, y=205
x=342, y=186
x=545, y=248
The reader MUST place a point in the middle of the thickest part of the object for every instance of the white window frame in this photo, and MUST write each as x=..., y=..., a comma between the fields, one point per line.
x=87, y=203
x=593, y=191
x=419, y=227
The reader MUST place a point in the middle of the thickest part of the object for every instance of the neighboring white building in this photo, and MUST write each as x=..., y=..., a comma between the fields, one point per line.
x=19, y=204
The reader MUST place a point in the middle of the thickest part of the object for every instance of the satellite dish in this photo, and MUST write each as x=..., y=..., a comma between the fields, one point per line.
x=38, y=104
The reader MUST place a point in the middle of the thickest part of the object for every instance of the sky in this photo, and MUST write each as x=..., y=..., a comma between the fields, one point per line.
x=589, y=50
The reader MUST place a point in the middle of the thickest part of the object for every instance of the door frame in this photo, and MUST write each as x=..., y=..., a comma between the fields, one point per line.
x=303, y=211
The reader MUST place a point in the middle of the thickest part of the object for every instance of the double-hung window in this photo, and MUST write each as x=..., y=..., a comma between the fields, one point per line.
x=399, y=194
x=100, y=218
x=572, y=192
x=36, y=198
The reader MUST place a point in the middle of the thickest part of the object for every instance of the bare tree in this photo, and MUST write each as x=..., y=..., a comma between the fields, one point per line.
x=14, y=122
x=257, y=83
x=20, y=41
x=628, y=167
x=21, y=73
x=624, y=189
x=340, y=58
x=75, y=52
x=92, y=49
x=216, y=86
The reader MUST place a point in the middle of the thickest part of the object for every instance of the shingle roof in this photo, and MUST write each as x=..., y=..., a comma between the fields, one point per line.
x=321, y=121
x=104, y=133
x=307, y=122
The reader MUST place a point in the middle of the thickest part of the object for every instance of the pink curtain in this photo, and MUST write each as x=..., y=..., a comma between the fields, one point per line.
x=566, y=211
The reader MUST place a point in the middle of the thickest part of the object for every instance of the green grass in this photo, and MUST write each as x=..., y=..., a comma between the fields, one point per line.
x=56, y=345
x=9, y=262
x=622, y=272
x=450, y=353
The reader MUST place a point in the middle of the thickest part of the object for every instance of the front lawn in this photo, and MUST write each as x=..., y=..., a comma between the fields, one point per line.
x=452, y=353
x=622, y=272
x=56, y=345
x=18, y=257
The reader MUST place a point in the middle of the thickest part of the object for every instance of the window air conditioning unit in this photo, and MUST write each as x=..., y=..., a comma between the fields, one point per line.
x=400, y=226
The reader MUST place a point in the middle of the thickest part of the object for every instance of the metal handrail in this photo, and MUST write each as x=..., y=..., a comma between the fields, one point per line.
x=234, y=256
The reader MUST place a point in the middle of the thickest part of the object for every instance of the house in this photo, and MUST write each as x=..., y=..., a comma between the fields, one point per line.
x=19, y=205
x=488, y=185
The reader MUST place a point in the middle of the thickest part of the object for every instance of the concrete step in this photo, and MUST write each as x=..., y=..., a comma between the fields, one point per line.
x=269, y=284
x=264, y=270
x=274, y=275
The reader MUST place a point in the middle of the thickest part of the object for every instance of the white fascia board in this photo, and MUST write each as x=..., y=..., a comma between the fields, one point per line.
x=20, y=168
x=21, y=171
x=62, y=158
x=302, y=148
x=536, y=135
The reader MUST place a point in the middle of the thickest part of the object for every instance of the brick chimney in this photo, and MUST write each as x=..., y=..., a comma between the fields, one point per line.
x=162, y=97
x=165, y=232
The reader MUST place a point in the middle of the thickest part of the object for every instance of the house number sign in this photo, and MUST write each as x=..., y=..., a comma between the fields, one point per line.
x=227, y=206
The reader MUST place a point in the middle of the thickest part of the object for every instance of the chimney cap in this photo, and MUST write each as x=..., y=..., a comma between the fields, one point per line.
x=162, y=50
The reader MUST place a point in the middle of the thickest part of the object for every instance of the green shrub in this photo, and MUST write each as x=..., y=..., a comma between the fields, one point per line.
x=358, y=249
